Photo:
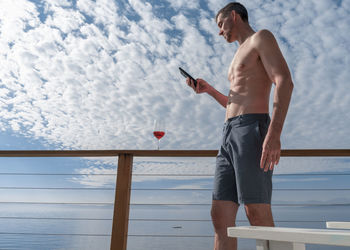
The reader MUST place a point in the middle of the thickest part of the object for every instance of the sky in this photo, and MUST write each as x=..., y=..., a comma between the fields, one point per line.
x=95, y=74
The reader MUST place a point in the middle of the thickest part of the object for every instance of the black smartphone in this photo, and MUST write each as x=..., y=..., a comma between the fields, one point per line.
x=185, y=74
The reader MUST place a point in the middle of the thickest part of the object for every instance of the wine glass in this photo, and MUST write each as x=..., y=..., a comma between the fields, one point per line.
x=159, y=129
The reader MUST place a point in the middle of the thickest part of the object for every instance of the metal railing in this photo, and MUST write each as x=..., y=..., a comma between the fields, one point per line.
x=123, y=189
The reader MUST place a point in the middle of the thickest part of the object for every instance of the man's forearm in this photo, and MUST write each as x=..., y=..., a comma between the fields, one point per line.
x=219, y=97
x=282, y=96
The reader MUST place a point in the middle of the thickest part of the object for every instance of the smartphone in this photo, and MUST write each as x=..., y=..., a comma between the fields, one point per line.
x=185, y=74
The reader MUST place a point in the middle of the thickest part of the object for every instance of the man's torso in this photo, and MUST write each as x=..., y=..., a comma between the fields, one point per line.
x=249, y=83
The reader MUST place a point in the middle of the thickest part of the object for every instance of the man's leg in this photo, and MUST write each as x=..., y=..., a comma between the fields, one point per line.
x=259, y=214
x=223, y=215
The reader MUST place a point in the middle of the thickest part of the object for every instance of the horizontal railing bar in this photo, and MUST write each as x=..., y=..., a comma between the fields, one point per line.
x=107, y=153
x=313, y=174
x=210, y=189
x=315, y=152
x=311, y=189
x=172, y=220
x=163, y=189
x=161, y=204
x=212, y=175
x=55, y=234
x=176, y=175
x=57, y=203
x=54, y=174
x=59, y=153
x=171, y=189
x=170, y=236
x=208, y=220
x=172, y=175
x=56, y=188
x=138, y=219
x=209, y=204
x=162, y=153
x=52, y=218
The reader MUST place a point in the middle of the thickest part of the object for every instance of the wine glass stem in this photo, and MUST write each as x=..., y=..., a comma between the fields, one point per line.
x=158, y=144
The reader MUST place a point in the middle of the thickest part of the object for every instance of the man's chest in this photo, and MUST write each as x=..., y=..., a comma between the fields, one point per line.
x=245, y=60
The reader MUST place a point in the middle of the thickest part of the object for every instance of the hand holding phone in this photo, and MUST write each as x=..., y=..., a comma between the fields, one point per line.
x=185, y=74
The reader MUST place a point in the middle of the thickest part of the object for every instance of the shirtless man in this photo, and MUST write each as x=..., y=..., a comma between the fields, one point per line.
x=251, y=140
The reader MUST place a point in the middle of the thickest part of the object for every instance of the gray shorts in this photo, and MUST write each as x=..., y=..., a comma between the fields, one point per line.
x=238, y=176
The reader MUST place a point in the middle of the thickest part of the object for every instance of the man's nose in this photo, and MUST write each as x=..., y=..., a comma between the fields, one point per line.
x=220, y=32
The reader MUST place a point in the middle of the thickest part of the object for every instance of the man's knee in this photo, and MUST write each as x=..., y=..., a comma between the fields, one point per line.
x=218, y=219
x=223, y=214
x=259, y=214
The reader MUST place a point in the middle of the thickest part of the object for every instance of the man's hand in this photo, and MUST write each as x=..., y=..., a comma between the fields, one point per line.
x=271, y=152
x=202, y=86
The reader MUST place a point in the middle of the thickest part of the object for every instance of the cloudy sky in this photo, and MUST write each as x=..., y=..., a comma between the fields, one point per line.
x=86, y=74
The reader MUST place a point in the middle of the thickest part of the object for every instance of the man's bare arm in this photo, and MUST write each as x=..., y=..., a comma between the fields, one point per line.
x=204, y=87
x=277, y=70
x=282, y=96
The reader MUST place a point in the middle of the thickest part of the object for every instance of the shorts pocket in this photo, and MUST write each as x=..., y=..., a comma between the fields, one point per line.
x=259, y=131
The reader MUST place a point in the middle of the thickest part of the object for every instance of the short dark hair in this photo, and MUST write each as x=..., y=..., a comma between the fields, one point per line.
x=238, y=7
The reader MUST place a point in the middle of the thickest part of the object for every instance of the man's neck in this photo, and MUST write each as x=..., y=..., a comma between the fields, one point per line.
x=245, y=32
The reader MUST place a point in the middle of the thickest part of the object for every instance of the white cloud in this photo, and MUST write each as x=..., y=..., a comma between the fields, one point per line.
x=96, y=75
x=16, y=16
x=183, y=4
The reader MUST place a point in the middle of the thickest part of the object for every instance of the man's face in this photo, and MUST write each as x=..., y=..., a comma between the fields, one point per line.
x=225, y=25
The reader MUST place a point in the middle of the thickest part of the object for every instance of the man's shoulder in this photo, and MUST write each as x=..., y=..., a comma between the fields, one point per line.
x=263, y=37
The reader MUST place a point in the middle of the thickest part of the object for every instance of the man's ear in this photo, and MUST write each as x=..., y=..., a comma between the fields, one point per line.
x=233, y=14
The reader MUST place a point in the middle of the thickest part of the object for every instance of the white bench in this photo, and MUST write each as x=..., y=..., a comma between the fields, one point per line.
x=338, y=224
x=280, y=238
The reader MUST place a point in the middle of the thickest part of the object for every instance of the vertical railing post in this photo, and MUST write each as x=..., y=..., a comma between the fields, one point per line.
x=121, y=203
